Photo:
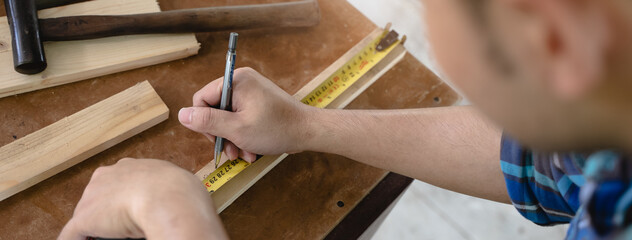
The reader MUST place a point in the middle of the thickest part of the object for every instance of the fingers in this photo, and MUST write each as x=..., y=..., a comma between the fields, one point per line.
x=213, y=122
x=209, y=95
x=224, y=158
x=207, y=120
x=247, y=156
x=232, y=152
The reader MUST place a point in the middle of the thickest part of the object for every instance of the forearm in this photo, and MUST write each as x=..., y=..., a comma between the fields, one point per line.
x=452, y=147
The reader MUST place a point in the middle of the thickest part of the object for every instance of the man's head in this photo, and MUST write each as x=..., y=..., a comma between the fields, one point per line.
x=551, y=72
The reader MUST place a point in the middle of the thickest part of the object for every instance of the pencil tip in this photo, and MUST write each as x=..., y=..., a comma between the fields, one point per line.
x=218, y=155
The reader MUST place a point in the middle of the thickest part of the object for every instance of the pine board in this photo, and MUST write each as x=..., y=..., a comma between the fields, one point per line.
x=48, y=151
x=72, y=61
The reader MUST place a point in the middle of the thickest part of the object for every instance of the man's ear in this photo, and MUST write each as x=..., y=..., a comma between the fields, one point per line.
x=577, y=36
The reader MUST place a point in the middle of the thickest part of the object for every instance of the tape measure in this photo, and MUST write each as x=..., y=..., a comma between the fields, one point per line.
x=320, y=97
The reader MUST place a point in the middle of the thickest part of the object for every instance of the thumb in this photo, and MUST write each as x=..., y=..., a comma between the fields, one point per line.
x=206, y=120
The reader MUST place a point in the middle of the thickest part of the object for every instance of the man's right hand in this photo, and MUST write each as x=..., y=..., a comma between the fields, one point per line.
x=265, y=119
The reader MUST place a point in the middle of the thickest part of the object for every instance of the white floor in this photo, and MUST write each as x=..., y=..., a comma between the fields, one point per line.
x=427, y=212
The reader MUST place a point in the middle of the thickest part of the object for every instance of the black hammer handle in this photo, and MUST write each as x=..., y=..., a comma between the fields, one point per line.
x=289, y=14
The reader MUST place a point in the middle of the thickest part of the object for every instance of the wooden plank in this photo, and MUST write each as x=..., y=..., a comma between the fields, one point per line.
x=46, y=152
x=227, y=194
x=72, y=61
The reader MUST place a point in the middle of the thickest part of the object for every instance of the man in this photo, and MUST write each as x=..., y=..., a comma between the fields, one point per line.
x=552, y=73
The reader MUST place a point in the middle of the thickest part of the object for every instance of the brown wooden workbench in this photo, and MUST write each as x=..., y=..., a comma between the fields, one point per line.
x=299, y=199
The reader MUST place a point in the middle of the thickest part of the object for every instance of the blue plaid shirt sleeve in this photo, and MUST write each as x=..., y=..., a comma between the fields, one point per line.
x=543, y=187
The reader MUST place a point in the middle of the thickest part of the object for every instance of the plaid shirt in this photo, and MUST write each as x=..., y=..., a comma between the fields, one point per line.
x=592, y=192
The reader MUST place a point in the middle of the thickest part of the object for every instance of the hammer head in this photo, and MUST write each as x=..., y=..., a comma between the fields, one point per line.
x=28, y=50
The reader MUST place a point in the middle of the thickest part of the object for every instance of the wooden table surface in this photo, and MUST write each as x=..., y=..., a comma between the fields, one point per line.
x=298, y=199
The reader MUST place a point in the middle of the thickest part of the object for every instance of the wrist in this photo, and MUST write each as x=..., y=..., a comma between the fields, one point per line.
x=302, y=129
x=320, y=128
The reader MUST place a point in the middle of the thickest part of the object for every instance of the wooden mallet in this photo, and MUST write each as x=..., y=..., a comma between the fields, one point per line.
x=28, y=32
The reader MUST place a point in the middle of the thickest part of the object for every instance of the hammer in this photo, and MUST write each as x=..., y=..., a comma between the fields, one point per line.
x=28, y=32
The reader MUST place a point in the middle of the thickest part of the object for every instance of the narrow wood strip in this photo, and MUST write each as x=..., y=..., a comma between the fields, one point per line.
x=48, y=151
x=230, y=191
x=78, y=60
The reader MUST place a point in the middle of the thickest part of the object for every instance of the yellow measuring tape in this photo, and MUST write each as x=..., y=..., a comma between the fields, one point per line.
x=320, y=97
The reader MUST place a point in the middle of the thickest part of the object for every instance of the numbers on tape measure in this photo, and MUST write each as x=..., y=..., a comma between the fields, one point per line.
x=224, y=173
x=344, y=77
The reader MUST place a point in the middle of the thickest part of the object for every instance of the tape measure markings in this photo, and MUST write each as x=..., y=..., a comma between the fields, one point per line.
x=344, y=77
x=224, y=173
